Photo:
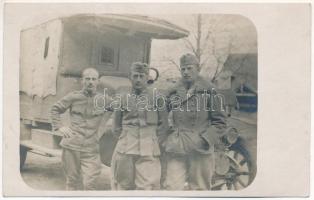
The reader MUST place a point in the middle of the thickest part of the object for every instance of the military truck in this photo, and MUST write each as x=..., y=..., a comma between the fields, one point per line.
x=54, y=54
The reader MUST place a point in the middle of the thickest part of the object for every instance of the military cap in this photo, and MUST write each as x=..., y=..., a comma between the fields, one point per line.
x=188, y=59
x=140, y=67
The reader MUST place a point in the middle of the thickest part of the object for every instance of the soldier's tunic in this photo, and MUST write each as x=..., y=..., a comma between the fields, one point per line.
x=80, y=156
x=190, y=144
x=136, y=163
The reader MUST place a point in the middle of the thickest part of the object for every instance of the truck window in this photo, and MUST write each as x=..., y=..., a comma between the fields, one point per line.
x=46, y=48
x=107, y=56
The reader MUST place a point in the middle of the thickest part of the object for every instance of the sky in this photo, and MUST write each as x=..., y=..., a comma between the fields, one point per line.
x=239, y=27
x=234, y=30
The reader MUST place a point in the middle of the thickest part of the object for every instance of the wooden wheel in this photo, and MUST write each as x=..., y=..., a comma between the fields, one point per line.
x=240, y=172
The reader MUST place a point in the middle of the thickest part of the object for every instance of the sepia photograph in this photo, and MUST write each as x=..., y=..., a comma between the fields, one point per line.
x=68, y=140
x=137, y=101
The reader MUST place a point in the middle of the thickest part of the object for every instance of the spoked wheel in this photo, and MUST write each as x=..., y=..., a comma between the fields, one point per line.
x=238, y=173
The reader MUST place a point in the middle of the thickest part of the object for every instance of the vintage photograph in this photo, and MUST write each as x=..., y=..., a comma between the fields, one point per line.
x=156, y=100
x=139, y=102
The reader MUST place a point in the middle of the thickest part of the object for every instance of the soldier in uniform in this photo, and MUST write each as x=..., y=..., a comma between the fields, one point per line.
x=190, y=144
x=80, y=156
x=138, y=125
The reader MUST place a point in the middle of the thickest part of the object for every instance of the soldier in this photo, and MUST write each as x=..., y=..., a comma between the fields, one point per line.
x=189, y=146
x=80, y=156
x=138, y=125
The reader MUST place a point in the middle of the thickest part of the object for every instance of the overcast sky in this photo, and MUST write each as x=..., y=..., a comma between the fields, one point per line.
x=239, y=28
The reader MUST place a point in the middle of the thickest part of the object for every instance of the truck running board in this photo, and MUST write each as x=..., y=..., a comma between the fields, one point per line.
x=34, y=148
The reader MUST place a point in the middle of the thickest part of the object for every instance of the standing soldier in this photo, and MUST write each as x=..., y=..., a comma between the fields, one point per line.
x=80, y=156
x=138, y=124
x=189, y=146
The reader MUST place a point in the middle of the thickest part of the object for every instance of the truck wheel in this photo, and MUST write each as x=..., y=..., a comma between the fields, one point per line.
x=241, y=147
x=241, y=170
x=23, y=155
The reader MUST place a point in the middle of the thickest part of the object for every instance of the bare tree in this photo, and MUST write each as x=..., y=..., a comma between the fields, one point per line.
x=205, y=43
x=220, y=57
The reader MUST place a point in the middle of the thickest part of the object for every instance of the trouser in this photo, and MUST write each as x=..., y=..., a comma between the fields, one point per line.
x=81, y=169
x=194, y=169
x=163, y=163
x=131, y=172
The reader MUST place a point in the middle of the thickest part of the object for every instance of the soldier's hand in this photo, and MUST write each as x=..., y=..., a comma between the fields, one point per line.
x=66, y=131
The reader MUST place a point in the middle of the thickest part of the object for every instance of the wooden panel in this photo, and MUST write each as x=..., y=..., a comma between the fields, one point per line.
x=39, y=58
x=132, y=49
x=76, y=51
x=45, y=138
x=83, y=49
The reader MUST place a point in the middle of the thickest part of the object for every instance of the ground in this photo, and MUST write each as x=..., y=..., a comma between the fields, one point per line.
x=45, y=173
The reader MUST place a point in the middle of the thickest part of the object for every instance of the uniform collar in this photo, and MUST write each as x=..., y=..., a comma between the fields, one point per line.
x=87, y=94
x=200, y=85
x=142, y=93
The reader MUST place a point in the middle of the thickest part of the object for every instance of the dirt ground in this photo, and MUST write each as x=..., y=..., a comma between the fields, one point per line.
x=45, y=173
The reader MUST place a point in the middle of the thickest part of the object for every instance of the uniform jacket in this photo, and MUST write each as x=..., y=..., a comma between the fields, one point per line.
x=85, y=119
x=139, y=129
x=196, y=116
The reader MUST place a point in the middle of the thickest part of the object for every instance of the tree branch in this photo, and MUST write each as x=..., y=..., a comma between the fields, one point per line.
x=190, y=46
x=174, y=63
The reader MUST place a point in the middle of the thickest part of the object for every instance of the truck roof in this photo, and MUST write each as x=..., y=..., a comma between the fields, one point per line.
x=130, y=24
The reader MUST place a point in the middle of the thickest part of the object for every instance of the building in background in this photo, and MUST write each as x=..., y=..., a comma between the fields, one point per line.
x=240, y=75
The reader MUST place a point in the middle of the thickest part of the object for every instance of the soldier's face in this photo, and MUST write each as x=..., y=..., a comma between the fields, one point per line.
x=189, y=73
x=90, y=80
x=138, y=80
